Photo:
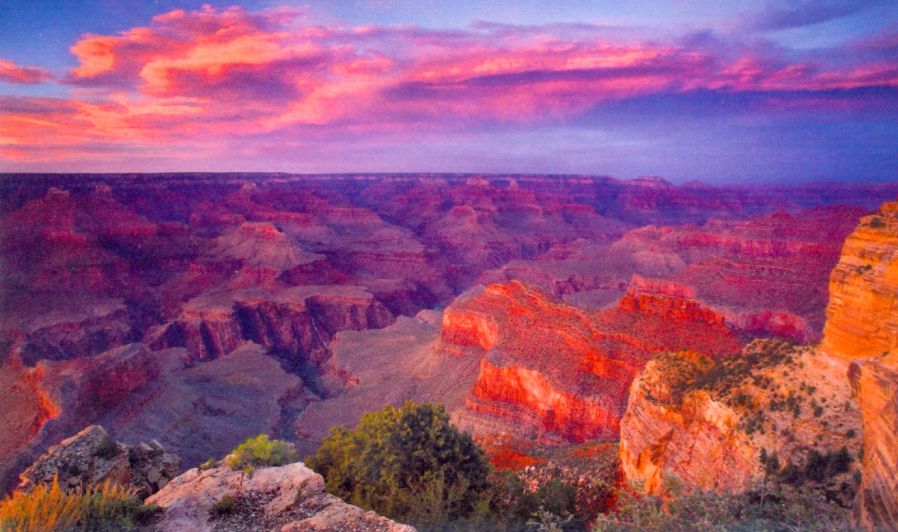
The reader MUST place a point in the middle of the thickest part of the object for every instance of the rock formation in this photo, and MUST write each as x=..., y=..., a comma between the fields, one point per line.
x=559, y=371
x=862, y=316
x=875, y=384
x=719, y=424
x=92, y=457
x=773, y=412
x=287, y=498
x=863, y=327
x=767, y=275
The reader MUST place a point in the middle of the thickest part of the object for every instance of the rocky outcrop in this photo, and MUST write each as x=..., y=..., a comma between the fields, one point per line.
x=862, y=316
x=560, y=372
x=875, y=384
x=298, y=320
x=773, y=412
x=701, y=422
x=287, y=498
x=92, y=457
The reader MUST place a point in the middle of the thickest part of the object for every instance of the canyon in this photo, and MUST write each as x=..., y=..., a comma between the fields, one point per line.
x=201, y=309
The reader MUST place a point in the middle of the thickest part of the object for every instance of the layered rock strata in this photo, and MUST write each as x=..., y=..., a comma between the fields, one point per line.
x=862, y=316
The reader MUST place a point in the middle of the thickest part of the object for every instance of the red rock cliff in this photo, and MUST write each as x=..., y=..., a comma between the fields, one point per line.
x=862, y=316
x=876, y=386
x=560, y=372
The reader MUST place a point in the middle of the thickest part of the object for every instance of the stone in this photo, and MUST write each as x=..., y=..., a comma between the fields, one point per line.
x=875, y=384
x=287, y=498
x=862, y=316
x=92, y=457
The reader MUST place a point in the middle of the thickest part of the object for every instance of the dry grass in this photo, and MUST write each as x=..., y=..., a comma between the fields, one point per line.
x=50, y=508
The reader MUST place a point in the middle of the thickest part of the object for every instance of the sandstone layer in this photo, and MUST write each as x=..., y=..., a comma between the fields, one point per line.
x=556, y=371
x=862, y=316
x=721, y=424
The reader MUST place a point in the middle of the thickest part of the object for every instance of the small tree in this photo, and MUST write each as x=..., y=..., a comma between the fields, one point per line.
x=408, y=463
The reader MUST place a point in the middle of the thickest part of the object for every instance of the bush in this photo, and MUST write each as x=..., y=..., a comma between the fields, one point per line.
x=703, y=510
x=224, y=506
x=261, y=451
x=552, y=505
x=407, y=463
x=107, y=449
x=104, y=507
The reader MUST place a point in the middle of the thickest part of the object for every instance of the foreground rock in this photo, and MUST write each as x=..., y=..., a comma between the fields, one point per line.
x=772, y=413
x=91, y=457
x=287, y=498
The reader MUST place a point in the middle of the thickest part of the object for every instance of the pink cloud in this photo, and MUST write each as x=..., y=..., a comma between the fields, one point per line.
x=225, y=75
x=13, y=73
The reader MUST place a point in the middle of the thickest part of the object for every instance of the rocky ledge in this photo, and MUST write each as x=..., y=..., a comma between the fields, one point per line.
x=288, y=498
x=92, y=457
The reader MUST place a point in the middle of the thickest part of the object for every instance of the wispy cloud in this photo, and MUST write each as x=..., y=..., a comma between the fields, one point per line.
x=795, y=14
x=13, y=73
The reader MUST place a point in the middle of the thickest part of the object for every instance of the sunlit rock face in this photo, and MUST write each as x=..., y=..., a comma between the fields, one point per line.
x=719, y=424
x=876, y=387
x=863, y=328
x=862, y=316
x=561, y=372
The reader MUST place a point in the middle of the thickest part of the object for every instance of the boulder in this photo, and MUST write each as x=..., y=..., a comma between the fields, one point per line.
x=92, y=457
x=286, y=498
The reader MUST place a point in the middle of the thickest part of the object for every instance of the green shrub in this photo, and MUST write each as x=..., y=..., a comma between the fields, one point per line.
x=226, y=505
x=208, y=464
x=108, y=448
x=408, y=463
x=261, y=451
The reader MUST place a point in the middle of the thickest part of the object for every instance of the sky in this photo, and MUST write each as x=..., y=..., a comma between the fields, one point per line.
x=721, y=91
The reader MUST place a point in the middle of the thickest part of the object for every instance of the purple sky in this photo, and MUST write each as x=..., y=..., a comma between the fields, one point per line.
x=720, y=91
